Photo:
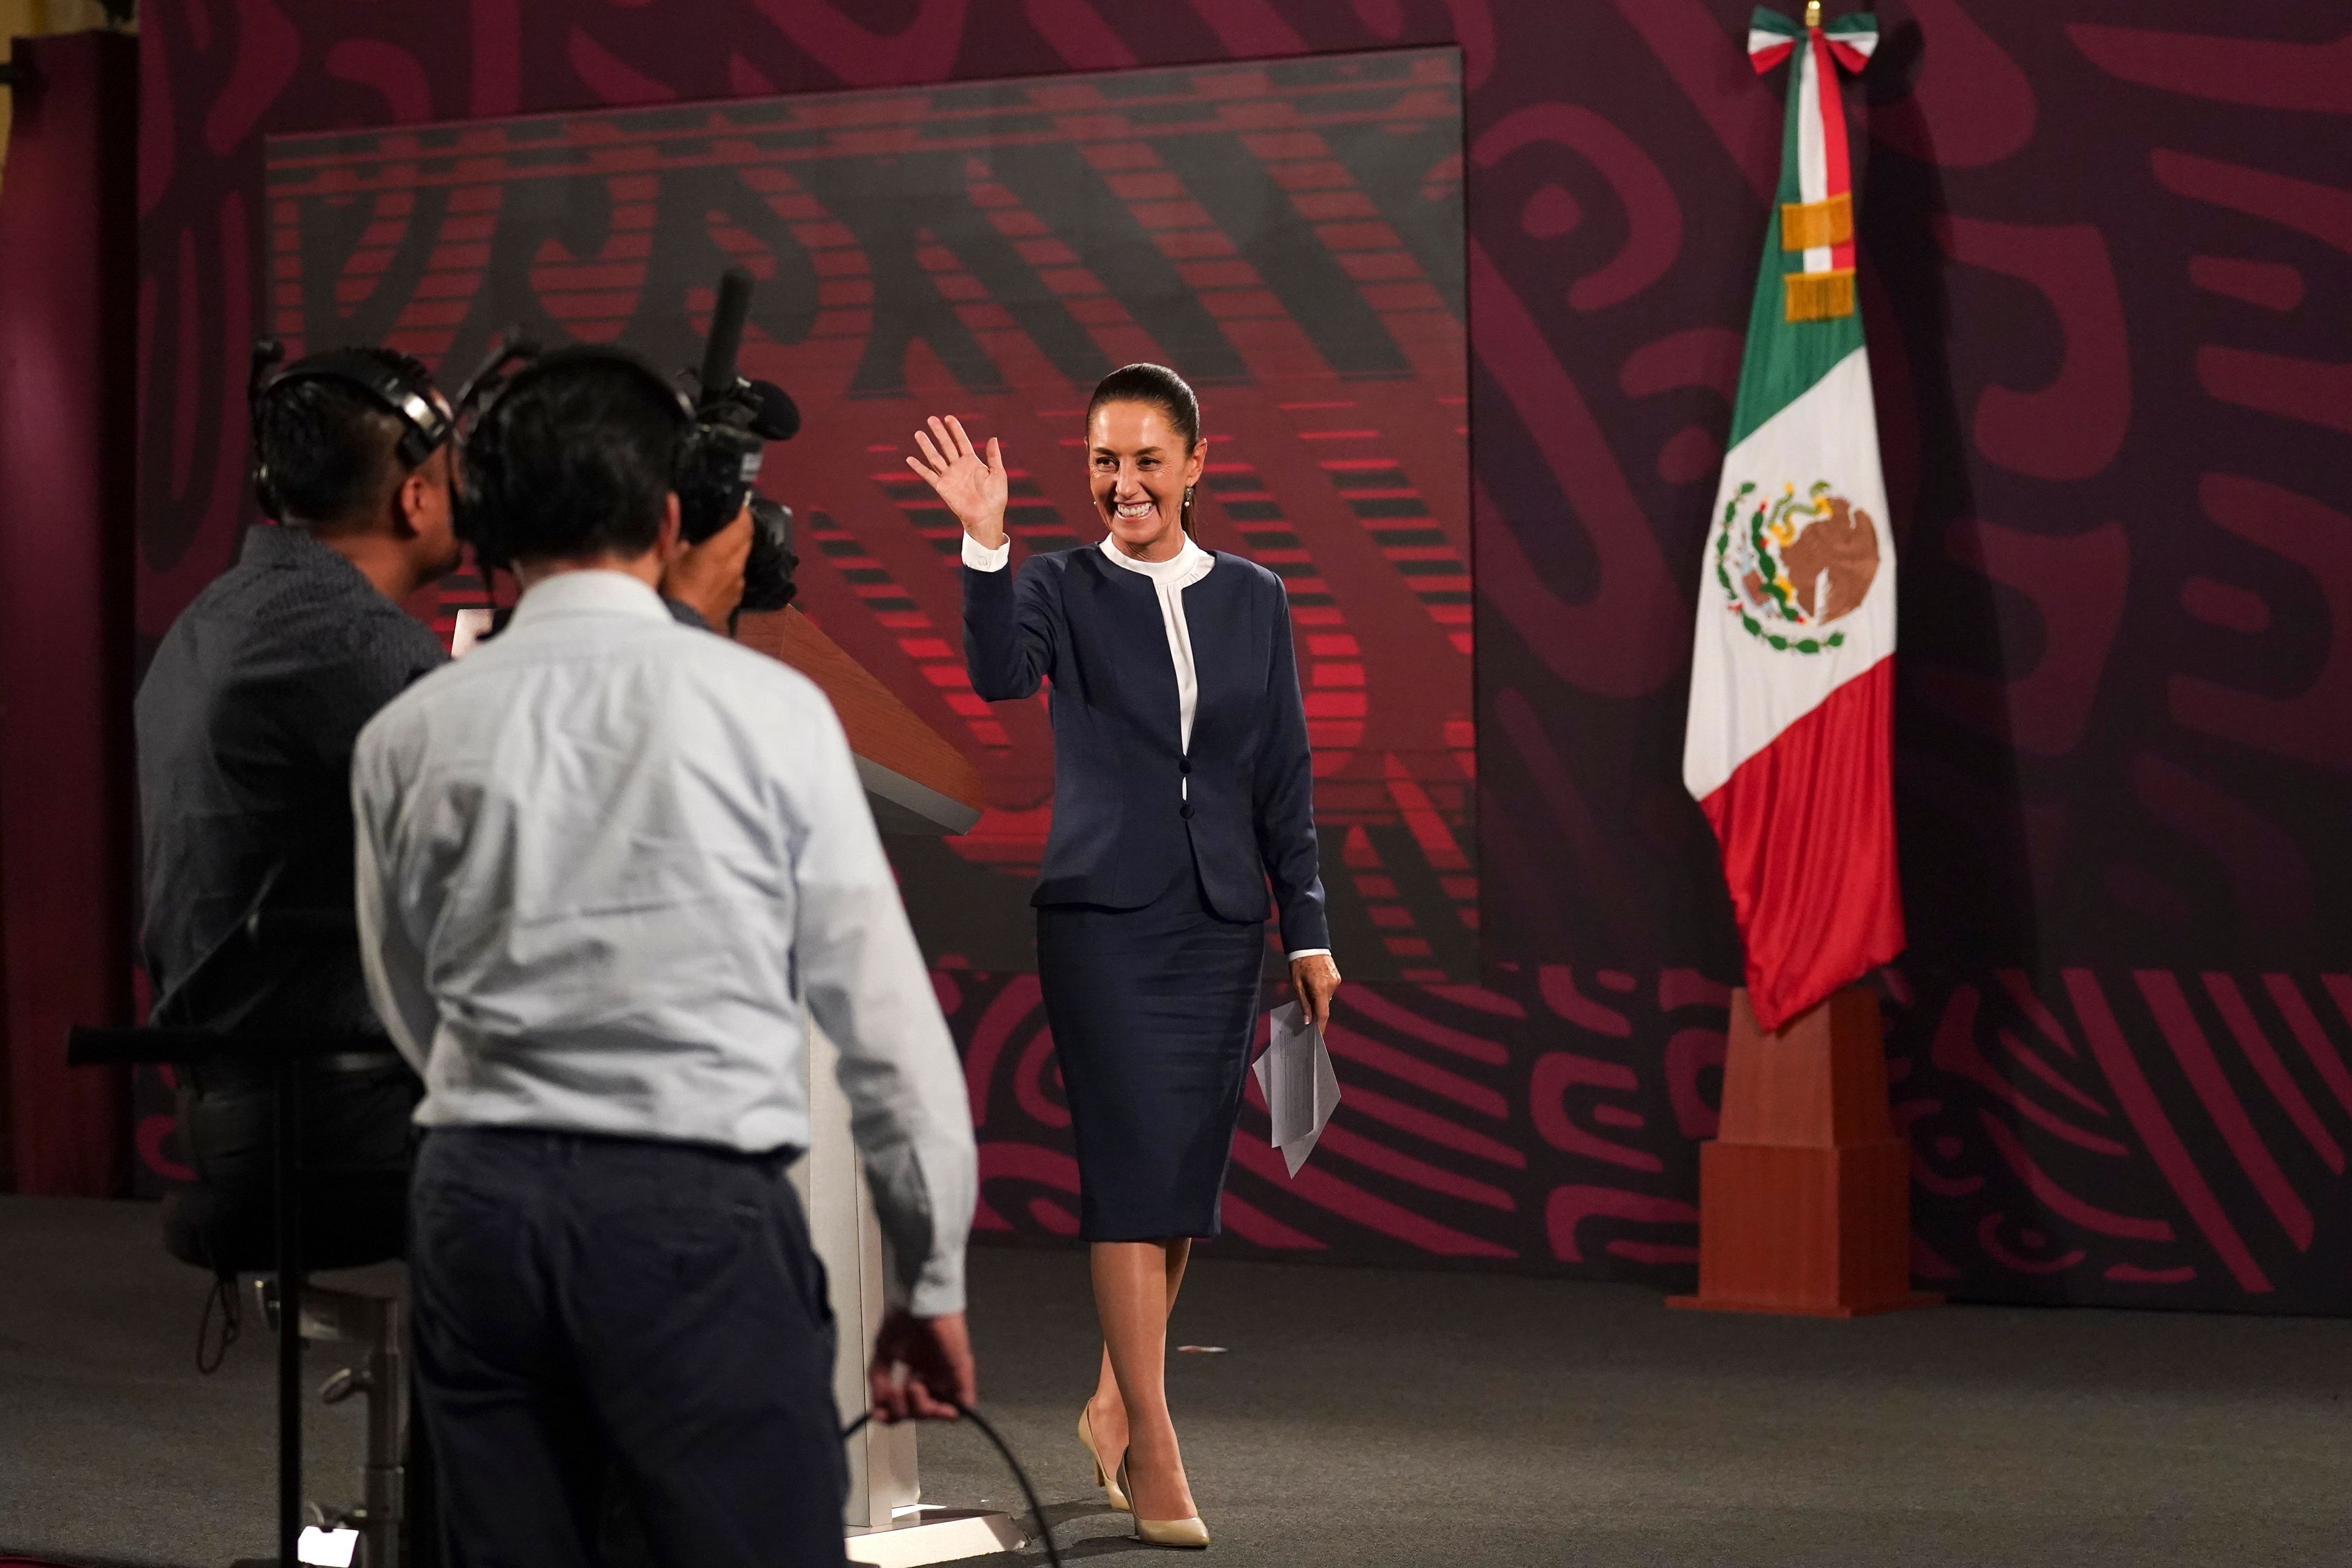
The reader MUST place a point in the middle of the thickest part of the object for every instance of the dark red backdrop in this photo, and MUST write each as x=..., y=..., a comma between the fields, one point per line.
x=1290, y=235
x=2097, y=247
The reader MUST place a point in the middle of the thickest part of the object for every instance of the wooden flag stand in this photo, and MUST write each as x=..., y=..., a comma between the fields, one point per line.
x=1805, y=1191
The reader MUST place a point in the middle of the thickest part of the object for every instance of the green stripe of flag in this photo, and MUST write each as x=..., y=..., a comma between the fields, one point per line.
x=1784, y=357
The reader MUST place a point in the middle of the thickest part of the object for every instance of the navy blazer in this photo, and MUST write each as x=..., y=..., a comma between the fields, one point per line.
x=1124, y=828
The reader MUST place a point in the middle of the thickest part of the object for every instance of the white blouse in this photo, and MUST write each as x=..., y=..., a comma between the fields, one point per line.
x=1170, y=578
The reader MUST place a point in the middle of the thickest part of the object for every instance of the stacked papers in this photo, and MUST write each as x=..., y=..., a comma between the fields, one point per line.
x=1301, y=1090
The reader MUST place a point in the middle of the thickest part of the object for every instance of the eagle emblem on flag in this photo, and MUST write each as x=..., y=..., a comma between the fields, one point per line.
x=1790, y=564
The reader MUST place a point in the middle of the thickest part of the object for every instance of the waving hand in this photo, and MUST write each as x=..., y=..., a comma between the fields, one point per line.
x=972, y=486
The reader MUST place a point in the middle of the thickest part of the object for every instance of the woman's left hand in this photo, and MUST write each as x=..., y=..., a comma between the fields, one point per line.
x=1317, y=980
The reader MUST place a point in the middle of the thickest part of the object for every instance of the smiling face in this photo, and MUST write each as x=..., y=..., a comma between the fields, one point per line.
x=1140, y=468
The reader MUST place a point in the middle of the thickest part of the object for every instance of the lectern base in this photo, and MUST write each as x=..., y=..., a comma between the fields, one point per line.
x=925, y=1535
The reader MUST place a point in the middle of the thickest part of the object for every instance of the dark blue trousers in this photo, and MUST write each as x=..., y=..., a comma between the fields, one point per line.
x=602, y=1312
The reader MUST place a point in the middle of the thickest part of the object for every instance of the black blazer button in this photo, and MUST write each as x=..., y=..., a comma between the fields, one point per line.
x=1183, y=764
x=1185, y=810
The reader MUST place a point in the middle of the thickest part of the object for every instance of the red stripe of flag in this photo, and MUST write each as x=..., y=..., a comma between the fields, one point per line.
x=1839, y=167
x=1807, y=826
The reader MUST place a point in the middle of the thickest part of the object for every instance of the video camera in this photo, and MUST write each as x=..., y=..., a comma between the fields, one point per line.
x=719, y=465
x=724, y=432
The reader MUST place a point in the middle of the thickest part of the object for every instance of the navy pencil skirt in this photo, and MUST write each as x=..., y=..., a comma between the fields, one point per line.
x=1152, y=1012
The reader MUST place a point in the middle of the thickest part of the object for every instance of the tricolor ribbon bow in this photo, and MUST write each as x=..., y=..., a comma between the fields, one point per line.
x=1814, y=158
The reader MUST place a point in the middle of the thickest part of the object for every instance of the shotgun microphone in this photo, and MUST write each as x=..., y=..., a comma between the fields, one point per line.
x=726, y=334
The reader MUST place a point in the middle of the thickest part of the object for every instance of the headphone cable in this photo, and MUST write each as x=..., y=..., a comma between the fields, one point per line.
x=1028, y=1492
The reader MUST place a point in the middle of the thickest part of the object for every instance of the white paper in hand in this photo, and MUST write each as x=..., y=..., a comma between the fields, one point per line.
x=1301, y=1090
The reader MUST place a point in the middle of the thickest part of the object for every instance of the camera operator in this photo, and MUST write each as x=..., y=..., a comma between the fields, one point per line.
x=249, y=711
x=602, y=865
x=245, y=726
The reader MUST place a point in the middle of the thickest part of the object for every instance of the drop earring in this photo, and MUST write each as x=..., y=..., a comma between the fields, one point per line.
x=1187, y=518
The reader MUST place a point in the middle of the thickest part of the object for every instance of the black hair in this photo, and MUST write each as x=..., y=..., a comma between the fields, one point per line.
x=331, y=450
x=1156, y=385
x=582, y=461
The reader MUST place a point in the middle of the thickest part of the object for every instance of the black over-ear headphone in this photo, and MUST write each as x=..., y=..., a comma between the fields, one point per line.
x=424, y=427
x=713, y=472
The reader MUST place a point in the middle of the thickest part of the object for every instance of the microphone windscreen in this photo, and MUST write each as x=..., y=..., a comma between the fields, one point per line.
x=778, y=418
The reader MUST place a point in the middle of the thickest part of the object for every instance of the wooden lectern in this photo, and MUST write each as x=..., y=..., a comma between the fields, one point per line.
x=915, y=779
x=1805, y=1191
x=918, y=783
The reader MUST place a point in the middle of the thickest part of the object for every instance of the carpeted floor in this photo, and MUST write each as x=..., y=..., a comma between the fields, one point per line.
x=1367, y=1419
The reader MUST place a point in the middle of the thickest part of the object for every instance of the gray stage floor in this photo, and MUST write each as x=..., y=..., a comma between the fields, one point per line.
x=1361, y=1417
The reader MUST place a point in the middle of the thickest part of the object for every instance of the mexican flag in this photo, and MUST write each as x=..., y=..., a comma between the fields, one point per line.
x=1788, y=749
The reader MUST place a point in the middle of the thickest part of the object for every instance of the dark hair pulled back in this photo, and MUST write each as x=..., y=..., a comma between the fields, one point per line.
x=1156, y=385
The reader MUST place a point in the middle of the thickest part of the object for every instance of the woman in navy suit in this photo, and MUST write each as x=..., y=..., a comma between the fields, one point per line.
x=1183, y=786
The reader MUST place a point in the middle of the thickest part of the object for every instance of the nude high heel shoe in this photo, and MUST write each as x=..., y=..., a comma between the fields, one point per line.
x=1111, y=1488
x=1185, y=1533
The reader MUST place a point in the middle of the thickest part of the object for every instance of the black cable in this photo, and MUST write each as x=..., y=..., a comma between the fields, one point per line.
x=1028, y=1492
x=224, y=1296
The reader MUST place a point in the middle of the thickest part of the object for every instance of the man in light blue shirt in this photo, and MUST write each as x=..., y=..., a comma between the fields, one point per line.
x=607, y=869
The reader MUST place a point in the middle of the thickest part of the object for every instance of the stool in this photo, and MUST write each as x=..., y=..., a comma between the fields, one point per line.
x=371, y=1322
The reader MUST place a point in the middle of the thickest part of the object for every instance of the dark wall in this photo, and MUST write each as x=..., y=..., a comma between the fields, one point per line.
x=2099, y=252
x=66, y=523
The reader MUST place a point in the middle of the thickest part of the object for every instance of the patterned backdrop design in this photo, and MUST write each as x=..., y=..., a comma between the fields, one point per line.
x=2098, y=239
x=1288, y=234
